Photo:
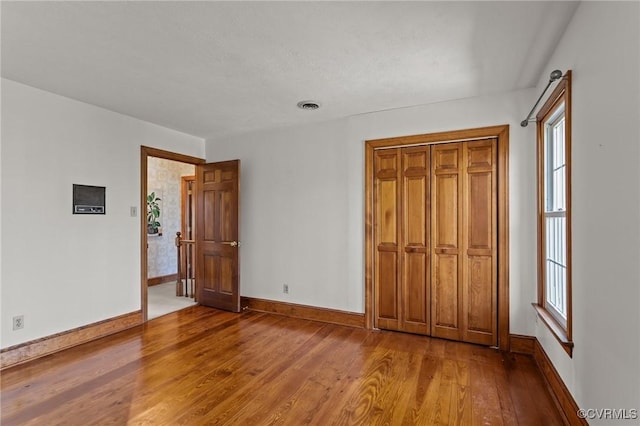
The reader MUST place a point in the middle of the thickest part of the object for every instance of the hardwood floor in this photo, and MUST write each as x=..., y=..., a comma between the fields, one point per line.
x=203, y=366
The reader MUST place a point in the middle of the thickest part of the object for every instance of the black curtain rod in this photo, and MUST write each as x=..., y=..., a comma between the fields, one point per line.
x=555, y=75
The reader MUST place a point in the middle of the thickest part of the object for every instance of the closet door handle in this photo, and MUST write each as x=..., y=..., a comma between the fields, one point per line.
x=447, y=250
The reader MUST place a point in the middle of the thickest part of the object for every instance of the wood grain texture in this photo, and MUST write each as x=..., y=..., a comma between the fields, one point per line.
x=387, y=227
x=217, y=260
x=206, y=366
x=503, y=237
x=414, y=306
x=370, y=250
x=522, y=344
x=447, y=230
x=500, y=251
x=50, y=344
x=479, y=243
x=333, y=316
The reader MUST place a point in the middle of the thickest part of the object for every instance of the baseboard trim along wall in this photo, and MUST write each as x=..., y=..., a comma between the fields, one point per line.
x=333, y=316
x=28, y=351
x=161, y=280
x=558, y=388
x=529, y=345
x=521, y=344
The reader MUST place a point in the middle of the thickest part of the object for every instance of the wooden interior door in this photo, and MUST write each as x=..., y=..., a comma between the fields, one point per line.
x=217, y=257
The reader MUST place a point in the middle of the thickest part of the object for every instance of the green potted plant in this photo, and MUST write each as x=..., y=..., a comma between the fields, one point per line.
x=153, y=213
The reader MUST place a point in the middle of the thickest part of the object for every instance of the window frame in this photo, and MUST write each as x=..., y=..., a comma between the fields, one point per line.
x=561, y=97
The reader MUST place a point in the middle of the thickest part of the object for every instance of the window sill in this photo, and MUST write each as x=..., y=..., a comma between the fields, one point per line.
x=559, y=333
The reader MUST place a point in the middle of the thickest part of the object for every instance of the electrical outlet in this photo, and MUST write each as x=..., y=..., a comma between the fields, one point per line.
x=18, y=322
x=285, y=288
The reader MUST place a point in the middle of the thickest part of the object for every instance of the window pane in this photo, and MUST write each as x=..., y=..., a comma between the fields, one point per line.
x=554, y=164
x=556, y=262
x=558, y=166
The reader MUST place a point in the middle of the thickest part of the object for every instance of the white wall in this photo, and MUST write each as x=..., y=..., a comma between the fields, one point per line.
x=302, y=201
x=293, y=226
x=60, y=270
x=602, y=47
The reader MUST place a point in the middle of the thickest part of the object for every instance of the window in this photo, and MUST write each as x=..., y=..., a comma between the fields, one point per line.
x=554, y=212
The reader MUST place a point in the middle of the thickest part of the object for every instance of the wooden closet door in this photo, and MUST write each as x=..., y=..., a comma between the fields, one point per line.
x=387, y=234
x=480, y=266
x=415, y=291
x=446, y=234
x=402, y=242
x=464, y=229
x=435, y=221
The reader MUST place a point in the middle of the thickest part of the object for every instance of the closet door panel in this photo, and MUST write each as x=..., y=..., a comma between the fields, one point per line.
x=479, y=282
x=387, y=226
x=415, y=312
x=480, y=300
x=415, y=292
x=446, y=232
x=446, y=212
x=388, y=291
x=387, y=232
x=445, y=294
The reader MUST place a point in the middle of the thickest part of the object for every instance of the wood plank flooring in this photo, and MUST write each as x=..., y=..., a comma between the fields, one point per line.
x=201, y=366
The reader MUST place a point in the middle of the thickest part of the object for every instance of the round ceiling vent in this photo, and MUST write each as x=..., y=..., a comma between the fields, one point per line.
x=308, y=105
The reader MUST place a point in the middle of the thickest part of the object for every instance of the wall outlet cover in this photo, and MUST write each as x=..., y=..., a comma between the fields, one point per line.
x=18, y=322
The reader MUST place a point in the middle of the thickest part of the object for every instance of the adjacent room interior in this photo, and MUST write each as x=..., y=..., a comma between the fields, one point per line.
x=170, y=210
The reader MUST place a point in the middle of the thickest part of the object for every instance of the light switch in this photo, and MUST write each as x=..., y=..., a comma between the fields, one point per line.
x=133, y=210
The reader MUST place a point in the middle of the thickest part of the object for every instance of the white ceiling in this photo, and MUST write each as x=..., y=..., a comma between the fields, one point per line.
x=213, y=69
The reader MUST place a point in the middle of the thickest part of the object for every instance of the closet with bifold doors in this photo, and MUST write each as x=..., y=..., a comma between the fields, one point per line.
x=435, y=263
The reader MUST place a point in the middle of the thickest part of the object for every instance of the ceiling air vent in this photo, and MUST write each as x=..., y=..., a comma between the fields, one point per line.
x=308, y=105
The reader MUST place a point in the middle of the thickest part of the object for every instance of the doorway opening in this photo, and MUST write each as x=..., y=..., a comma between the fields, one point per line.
x=163, y=281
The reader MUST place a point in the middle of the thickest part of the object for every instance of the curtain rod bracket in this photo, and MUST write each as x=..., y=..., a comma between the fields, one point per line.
x=555, y=75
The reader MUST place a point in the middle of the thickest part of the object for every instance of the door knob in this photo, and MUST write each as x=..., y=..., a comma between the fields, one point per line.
x=231, y=243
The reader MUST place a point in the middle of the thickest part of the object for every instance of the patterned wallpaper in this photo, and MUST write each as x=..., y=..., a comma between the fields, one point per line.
x=163, y=177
